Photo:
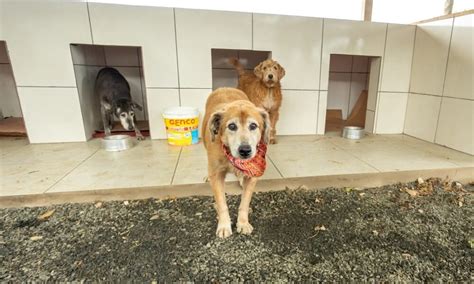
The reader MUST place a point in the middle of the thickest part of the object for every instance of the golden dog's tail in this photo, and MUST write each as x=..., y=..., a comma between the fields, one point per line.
x=236, y=63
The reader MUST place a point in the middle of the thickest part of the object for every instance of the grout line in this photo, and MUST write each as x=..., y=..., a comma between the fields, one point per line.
x=395, y=92
x=176, y=166
x=6, y=63
x=90, y=23
x=409, y=83
x=379, y=83
x=69, y=172
x=177, y=57
x=273, y=163
x=319, y=83
x=343, y=72
x=444, y=81
x=449, y=97
x=117, y=66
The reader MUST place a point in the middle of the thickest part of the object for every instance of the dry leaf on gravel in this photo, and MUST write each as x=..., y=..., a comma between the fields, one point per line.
x=36, y=238
x=98, y=205
x=46, y=215
x=320, y=228
x=411, y=192
x=154, y=217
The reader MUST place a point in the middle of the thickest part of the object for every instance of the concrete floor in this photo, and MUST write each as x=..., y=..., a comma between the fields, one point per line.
x=67, y=167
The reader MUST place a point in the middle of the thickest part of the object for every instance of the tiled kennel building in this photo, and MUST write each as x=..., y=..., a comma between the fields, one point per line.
x=424, y=85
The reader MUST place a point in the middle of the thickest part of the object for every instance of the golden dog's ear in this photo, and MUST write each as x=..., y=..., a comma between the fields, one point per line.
x=214, y=124
x=266, y=126
x=258, y=71
x=281, y=71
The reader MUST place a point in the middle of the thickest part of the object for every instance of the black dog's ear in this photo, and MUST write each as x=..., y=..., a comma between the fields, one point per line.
x=266, y=126
x=137, y=106
x=214, y=124
x=106, y=104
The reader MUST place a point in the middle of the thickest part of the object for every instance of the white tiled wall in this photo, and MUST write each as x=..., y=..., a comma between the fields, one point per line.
x=38, y=35
x=199, y=31
x=461, y=60
x=195, y=98
x=158, y=100
x=151, y=28
x=442, y=69
x=391, y=113
x=295, y=43
x=298, y=113
x=52, y=114
x=422, y=116
x=430, y=57
x=456, y=125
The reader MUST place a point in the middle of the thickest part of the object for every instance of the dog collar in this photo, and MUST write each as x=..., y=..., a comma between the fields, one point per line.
x=254, y=167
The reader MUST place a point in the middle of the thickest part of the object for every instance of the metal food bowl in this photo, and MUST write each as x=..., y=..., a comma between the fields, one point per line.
x=117, y=142
x=353, y=132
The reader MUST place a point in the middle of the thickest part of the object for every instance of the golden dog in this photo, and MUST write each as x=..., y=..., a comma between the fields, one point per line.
x=263, y=88
x=234, y=129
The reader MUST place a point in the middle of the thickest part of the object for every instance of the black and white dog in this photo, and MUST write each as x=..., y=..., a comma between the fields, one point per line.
x=114, y=92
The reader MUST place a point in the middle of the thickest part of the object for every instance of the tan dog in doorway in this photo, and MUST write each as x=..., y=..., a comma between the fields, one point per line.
x=235, y=136
x=263, y=88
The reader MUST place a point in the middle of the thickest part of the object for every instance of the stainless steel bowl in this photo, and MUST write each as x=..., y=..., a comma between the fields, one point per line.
x=117, y=142
x=353, y=132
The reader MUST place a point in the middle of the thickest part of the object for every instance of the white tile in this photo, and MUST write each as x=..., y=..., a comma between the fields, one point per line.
x=43, y=57
x=133, y=76
x=204, y=30
x=350, y=37
x=121, y=56
x=358, y=84
x=360, y=64
x=224, y=78
x=196, y=98
x=322, y=104
x=456, y=125
x=295, y=42
x=422, y=116
x=398, y=57
x=459, y=76
x=339, y=91
x=369, y=121
x=158, y=100
x=340, y=63
x=391, y=113
x=430, y=57
x=52, y=114
x=154, y=32
x=10, y=105
x=298, y=113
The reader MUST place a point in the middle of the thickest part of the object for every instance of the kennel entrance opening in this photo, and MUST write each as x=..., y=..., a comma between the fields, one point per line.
x=224, y=73
x=88, y=60
x=352, y=89
x=11, y=117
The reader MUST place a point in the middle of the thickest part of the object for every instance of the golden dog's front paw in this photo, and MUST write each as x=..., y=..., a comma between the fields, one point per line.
x=273, y=140
x=244, y=228
x=223, y=231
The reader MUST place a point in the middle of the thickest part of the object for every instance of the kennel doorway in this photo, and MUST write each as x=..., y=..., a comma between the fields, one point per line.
x=11, y=117
x=224, y=73
x=352, y=87
x=88, y=60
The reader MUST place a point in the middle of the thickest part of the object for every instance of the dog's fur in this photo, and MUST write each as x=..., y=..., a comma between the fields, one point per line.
x=263, y=88
x=226, y=106
x=115, y=99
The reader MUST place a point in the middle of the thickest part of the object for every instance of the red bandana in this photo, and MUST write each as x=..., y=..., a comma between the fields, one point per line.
x=254, y=167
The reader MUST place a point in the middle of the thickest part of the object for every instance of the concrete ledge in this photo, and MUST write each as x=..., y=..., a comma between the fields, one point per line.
x=366, y=180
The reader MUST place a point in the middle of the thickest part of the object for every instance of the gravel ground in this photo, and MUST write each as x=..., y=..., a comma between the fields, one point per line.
x=390, y=233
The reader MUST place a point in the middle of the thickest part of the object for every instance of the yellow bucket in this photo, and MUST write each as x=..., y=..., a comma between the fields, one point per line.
x=182, y=125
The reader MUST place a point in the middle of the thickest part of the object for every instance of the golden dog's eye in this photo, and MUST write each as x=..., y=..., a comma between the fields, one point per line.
x=253, y=126
x=264, y=68
x=274, y=67
x=232, y=127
